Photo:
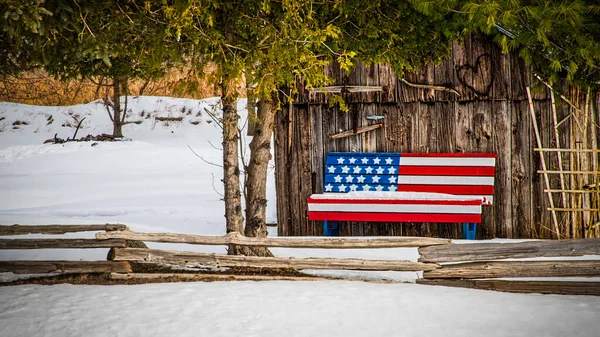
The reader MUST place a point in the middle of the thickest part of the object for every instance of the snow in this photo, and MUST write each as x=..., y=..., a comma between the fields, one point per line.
x=154, y=183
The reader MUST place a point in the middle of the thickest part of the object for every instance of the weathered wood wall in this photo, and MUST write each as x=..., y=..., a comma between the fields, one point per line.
x=490, y=115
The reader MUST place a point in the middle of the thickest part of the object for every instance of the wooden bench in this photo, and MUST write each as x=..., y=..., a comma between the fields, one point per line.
x=404, y=187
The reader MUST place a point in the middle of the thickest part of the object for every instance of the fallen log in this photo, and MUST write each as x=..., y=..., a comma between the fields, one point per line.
x=540, y=287
x=501, y=269
x=192, y=259
x=169, y=119
x=212, y=277
x=60, y=243
x=64, y=267
x=495, y=251
x=57, y=229
x=237, y=239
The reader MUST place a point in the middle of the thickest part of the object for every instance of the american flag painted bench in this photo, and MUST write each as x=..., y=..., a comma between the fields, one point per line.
x=404, y=187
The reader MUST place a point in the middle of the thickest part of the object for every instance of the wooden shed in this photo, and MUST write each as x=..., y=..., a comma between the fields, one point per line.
x=474, y=102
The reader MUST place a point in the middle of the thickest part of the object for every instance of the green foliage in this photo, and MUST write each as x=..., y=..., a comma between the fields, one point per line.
x=561, y=39
x=20, y=20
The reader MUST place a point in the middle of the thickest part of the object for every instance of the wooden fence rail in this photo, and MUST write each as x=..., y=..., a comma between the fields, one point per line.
x=540, y=287
x=57, y=229
x=60, y=243
x=288, y=242
x=64, y=267
x=191, y=259
x=501, y=269
x=496, y=251
x=469, y=263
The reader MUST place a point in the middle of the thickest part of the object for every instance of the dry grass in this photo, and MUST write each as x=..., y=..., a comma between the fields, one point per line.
x=39, y=88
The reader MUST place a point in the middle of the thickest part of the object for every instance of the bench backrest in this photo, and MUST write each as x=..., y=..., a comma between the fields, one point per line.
x=450, y=173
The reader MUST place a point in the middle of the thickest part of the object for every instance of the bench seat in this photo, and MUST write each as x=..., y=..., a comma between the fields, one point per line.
x=404, y=187
x=394, y=207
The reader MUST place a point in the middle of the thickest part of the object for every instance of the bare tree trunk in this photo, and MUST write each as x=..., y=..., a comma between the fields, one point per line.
x=260, y=154
x=117, y=120
x=231, y=170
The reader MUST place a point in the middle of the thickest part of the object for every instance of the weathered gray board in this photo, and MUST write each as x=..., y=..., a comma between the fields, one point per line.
x=490, y=115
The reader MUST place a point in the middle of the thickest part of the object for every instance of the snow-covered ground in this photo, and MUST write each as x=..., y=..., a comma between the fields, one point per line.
x=155, y=183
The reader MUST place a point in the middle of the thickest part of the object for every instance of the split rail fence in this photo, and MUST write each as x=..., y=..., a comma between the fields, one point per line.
x=476, y=265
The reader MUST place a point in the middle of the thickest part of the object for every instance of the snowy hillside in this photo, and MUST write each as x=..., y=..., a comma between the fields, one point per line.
x=153, y=182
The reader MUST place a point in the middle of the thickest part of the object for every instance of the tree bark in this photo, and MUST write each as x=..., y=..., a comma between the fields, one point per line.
x=119, y=88
x=231, y=169
x=260, y=154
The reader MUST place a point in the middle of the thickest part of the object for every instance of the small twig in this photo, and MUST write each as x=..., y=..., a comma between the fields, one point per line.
x=214, y=118
x=214, y=188
x=78, y=126
x=213, y=146
x=204, y=160
x=106, y=105
x=433, y=87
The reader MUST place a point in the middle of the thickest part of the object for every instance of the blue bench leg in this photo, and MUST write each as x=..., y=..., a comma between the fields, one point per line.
x=470, y=231
x=331, y=229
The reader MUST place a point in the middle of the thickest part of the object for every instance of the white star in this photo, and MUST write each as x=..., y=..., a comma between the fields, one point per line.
x=365, y=160
x=388, y=161
x=392, y=188
x=353, y=187
x=375, y=179
x=357, y=169
x=366, y=187
x=380, y=170
x=338, y=179
x=391, y=170
x=349, y=179
x=369, y=169
x=331, y=169
x=392, y=179
x=360, y=179
x=340, y=160
x=376, y=160
x=342, y=188
x=345, y=169
x=352, y=160
x=328, y=188
x=379, y=188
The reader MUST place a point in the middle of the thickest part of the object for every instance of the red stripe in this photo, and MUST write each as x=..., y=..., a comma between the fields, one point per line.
x=481, y=171
x=395, y=217
x=449, y=189
x=395, y=202
x=478, y=155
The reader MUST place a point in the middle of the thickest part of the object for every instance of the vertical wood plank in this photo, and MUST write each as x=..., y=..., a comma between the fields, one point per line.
x=522, y=171
x=282, y=178
x=388, y=80
x=502, y=140
x=463, y=68
x=317, y=158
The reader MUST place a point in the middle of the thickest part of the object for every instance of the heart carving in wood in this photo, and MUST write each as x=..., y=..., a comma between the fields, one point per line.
x=478, y=77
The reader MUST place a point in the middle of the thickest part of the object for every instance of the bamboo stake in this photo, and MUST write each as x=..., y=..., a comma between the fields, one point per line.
x=573, y=191
x=557, y=139
x=558, y=154
x=566, y=150
x=569, y=172
x=539, y=143
x=585, y=163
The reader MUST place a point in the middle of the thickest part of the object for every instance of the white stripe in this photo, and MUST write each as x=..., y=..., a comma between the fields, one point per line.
x=445, y=180
x=447, y=161
x=387, y=208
